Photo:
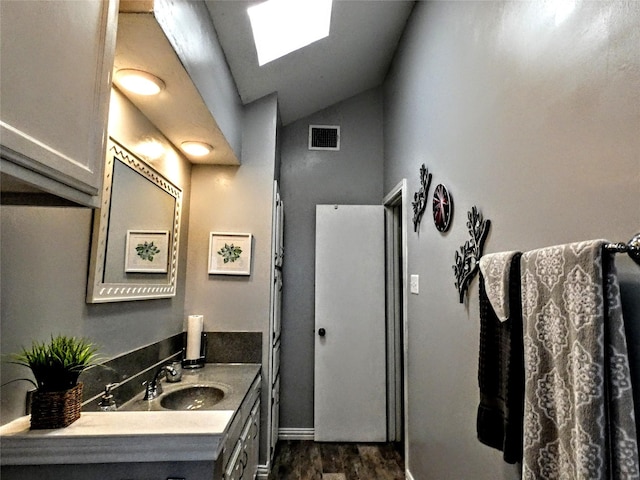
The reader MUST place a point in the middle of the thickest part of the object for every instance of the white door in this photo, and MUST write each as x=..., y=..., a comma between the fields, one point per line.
x=350, y=359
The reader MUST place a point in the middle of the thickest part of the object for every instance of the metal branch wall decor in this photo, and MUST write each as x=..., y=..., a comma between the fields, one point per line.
x=468, y=258
x=420, y=197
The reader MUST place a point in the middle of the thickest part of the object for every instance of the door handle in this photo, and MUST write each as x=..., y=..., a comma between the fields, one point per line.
x=322, y=332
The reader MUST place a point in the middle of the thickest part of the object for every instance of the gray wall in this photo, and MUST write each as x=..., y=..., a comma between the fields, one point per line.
x=43, y=275
x=351, y=176
x=536, y=123
x=237, y=199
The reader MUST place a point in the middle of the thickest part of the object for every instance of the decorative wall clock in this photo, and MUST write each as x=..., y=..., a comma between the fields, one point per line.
x=442, y=208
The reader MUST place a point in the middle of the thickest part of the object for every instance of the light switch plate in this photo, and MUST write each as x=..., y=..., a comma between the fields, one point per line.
x=415, y=284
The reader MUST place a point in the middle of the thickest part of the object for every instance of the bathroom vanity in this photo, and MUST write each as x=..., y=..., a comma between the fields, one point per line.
x=144, y=439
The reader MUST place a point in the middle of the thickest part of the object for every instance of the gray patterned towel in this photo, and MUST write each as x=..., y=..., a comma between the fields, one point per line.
x=579, y=418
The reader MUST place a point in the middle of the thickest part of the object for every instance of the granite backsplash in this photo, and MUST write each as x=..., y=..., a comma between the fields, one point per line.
x=130, y=370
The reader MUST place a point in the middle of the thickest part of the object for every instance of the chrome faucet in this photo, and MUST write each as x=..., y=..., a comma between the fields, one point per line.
x=154, y=387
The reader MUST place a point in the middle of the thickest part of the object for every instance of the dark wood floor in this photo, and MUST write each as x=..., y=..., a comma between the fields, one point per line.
x=307, y=460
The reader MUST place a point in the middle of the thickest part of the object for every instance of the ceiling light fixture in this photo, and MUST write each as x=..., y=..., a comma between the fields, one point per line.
x=197, y=149
x=283, y=26
x=150, y=148
x=138, y=81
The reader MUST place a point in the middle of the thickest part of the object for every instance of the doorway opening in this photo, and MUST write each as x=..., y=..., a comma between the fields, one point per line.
x=396, y=300
x=360, y=311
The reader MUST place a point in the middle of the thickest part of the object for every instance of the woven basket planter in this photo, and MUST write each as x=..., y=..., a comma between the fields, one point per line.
x=56, y=409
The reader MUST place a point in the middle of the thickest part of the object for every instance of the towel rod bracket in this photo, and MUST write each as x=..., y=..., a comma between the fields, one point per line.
x=632, y=248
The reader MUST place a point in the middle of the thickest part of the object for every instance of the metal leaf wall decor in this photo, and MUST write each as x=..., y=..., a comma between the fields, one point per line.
x=420, y=197
x=468, y=258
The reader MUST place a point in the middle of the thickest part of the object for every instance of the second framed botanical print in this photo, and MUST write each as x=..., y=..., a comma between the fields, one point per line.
x=230, y=253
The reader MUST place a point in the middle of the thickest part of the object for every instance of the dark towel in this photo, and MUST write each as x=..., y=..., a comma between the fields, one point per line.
x=501, y=372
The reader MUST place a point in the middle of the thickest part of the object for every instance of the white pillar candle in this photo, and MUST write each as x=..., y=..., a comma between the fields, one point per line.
x=194, y=336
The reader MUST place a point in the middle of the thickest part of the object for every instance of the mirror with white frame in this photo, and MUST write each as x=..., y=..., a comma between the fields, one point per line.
x=136, y=232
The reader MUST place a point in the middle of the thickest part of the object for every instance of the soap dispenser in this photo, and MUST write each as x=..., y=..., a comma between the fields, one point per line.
x=107, y=403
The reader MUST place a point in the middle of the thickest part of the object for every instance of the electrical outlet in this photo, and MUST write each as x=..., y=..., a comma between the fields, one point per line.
x=415, y=284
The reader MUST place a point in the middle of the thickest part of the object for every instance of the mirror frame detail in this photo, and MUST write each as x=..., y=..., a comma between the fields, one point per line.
x=97, y=290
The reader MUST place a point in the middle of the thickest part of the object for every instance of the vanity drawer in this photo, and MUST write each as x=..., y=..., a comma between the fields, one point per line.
x=251, y=442
x=237, y=426
x=235, y=467
x=243, y=462
x=254, y=393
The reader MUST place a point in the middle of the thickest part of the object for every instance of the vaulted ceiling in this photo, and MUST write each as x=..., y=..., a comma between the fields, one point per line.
x=354, y=58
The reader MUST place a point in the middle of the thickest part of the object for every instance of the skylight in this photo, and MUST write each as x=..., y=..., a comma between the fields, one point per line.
x=283, y=26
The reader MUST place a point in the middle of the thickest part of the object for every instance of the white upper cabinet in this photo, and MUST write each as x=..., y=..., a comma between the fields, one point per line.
x=56, y=62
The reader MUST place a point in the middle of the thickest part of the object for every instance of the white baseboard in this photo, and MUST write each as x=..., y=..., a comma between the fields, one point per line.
x=295, y=433
x=263, y=472
x=408, y=474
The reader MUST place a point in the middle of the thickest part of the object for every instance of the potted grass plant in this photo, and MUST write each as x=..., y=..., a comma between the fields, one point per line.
x=56, y=366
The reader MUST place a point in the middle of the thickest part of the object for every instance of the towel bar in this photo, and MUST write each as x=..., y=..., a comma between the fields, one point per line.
x=632, y=248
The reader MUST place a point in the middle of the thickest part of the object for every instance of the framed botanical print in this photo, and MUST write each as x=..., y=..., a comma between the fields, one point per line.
x=230, y=253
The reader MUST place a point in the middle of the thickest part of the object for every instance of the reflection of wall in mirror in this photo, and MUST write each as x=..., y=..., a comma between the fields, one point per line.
x=147, y=251
x=136, y=204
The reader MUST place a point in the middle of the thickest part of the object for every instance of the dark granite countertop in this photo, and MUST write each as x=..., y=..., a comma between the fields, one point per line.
x=233, y=379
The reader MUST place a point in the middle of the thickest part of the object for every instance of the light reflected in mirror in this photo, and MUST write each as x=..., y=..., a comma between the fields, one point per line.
x=134, y=251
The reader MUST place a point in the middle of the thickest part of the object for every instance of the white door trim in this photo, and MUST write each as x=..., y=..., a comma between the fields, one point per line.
x=398, y=196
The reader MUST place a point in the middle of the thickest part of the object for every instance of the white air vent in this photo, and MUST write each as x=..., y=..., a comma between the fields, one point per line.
x=324, y=137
